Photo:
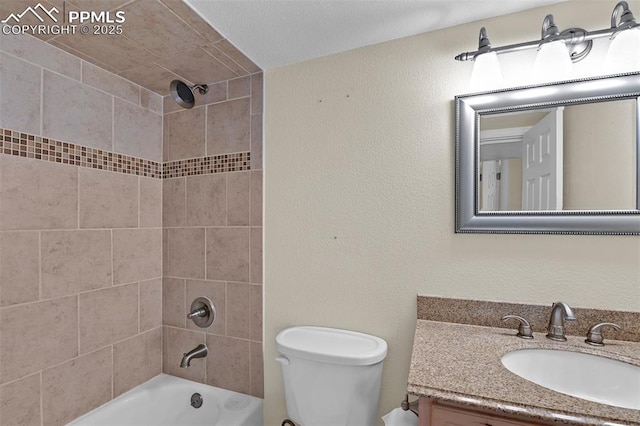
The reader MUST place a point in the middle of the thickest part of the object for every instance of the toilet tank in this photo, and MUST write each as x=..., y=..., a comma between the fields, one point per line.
x=331, y=377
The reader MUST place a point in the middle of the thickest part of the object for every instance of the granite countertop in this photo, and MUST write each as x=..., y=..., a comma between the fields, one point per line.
x=460, y=364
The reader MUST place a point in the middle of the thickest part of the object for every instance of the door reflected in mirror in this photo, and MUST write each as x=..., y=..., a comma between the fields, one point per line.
x=572, y=157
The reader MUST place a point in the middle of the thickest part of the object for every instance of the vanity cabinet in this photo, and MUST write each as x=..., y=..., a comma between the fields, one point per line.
x=435, y=414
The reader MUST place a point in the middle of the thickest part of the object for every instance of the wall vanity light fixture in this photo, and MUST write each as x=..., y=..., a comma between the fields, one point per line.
x=557, y=50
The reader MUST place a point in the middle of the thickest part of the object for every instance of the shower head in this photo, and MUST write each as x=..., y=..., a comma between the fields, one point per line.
x=183, y=93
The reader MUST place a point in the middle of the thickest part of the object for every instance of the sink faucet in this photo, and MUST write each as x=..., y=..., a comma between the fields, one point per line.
x=559, y=313
x=199, y=351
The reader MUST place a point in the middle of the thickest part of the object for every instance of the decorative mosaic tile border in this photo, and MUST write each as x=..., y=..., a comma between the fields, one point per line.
x=29, y=146
x=206, y=165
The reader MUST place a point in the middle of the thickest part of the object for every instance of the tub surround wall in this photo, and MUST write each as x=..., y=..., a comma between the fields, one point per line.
x=489, y=314
x=212, y=225
x=359, y=193
x=80, y=235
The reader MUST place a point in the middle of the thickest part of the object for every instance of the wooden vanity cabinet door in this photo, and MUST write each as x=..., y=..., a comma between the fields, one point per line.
x=434, y=414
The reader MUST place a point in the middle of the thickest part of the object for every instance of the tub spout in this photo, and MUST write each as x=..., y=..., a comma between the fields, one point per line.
x=199, y=351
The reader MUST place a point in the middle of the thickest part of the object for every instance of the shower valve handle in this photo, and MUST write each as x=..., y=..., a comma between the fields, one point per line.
x=198, y=313
x=202, y=312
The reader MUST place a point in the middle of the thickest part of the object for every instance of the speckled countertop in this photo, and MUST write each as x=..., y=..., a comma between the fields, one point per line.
x=460, y=364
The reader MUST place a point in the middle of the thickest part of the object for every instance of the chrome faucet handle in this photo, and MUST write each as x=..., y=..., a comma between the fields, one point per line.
x=524, y=329
x=594, y=335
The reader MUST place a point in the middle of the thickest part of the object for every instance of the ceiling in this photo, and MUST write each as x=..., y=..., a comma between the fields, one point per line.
x=279, y=32
x=163, y=40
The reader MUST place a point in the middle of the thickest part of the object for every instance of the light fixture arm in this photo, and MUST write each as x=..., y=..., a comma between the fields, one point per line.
x=571, y=37
x=626, y=18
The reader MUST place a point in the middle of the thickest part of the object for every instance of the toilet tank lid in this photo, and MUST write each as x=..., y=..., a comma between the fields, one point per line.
x=331, y=345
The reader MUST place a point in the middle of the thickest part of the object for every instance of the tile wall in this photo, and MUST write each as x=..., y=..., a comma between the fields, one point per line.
x=212, y=224
x=80, y=234
x=82, y=237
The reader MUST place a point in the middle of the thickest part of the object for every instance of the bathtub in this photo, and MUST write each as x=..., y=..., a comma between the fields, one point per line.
x=166, y=400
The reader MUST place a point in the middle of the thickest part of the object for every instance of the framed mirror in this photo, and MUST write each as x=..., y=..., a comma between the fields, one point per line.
x=558, y=158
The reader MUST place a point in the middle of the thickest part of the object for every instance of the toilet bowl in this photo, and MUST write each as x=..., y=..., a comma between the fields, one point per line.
x=331, y=377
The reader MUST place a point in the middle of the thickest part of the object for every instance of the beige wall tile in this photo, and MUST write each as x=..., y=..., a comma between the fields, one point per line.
x=228, y=127
x=186, y=252
x=198, y=66
x=215, y=51
x=79, y=55
x=256, y=198
x=186, y=137
x=121, y=53
x=150, y=202
x=175, y=343
x=256, y=255
x=165, y=251
x=239, y=87
x=257, y=96
x=20, y=402
x=151, y=101
x=257, y=370
x=217, y=93
x=173, y=302
x=19, y=267
x=189, y=16
x=228, y=254
x=256, y=313
x=137, y=255
x=256, y=142
x=107, y=199
x=136, y=360
x=72, y=389
x=75, y=261
x=20, y=91
x=238, y=198
x=169, y=106
x=56, y=337
x=74, y=112
x=216, y=292
x=37, y=195
x=137, y=131
x=36, y=51
x=155, y=28
x=238, y=57
x=107, y=316
x=110, y=83
x=150, y=304
x=152, y=77
x=206, y=200
x=165, y=137
x=238, y=310
x=228, y=366
x=174, y=198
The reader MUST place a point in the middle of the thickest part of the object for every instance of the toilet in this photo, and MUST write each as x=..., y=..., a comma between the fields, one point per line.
x=331, y=377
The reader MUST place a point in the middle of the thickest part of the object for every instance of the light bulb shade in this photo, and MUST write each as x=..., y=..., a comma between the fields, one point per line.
x=624, y=52
x=552, y=63
x=486, y=73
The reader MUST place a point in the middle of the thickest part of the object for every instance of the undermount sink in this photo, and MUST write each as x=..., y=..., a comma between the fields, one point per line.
x=585, y=376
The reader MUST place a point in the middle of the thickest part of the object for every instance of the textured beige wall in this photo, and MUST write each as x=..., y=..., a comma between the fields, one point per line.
x=359, y=200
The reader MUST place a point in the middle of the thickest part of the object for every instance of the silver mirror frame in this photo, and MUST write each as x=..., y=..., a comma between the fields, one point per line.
x=468, y=110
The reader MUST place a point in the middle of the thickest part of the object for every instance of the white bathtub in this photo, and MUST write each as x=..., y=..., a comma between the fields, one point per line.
x=166, y=400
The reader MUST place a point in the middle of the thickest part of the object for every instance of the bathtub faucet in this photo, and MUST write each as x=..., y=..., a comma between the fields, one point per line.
x=199, y=351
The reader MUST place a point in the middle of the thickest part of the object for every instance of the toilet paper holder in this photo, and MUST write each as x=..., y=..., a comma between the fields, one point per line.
x=409, y=406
